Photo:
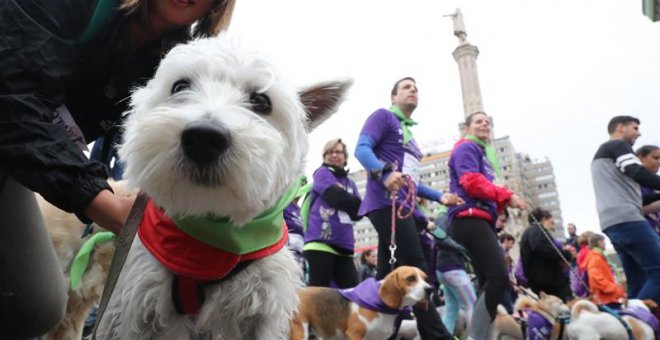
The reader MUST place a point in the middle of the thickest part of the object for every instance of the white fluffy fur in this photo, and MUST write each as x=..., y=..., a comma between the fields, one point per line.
x=264, y=158
x=588, y=323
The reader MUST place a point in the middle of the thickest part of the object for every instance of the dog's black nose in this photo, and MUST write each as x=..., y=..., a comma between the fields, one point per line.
x=204, y=142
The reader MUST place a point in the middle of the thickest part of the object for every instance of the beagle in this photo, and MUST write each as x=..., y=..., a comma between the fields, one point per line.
x=367, y=311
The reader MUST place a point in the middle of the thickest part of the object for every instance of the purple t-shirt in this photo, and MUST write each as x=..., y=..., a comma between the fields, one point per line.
x=384, y=128
x=292, y=219
x=469, y=157
x=325, y=223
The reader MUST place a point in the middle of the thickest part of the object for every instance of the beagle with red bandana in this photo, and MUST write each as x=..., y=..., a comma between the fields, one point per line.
x=367, y=311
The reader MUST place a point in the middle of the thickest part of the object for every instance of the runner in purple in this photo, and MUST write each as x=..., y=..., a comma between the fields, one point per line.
x=388, y=152
x=333, y=208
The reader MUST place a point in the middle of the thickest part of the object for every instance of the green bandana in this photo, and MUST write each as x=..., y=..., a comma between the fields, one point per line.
x=406, y=123
x=491, y=155
x=306, y=204
x=219, y=232
x=79, y=263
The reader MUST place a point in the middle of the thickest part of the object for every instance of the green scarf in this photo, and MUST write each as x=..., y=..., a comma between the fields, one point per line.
x=305, y=192
x=406, y=123
x=79, y=263
x=219, y=232
x=609, y=262
x=491, y=155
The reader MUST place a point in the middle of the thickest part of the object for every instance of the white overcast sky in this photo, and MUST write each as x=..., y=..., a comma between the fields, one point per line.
x=552, y=72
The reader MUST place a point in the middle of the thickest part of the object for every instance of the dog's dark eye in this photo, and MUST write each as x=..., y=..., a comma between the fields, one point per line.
x=180, y=85
x=411, y=279
x=260, y=103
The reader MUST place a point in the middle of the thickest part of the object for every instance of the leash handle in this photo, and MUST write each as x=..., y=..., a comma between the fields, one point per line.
x=408, y=200
x=122, y=246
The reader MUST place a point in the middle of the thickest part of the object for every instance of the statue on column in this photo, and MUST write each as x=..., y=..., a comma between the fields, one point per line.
x=459, y=25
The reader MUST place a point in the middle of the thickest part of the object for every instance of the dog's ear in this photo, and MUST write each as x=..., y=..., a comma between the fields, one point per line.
x=391, y=291
x=322, y=100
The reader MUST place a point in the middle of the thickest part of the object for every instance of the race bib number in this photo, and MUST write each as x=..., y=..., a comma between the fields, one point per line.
x=63, y=117
x=411, y=167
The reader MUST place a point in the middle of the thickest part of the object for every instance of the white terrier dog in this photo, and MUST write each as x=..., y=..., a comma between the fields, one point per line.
x=216, y=139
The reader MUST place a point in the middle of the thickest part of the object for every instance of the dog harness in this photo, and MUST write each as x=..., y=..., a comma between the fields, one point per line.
x=645, y=316
x=202, y=251
x=366, y=296
x=617, y=315
x=537, y=327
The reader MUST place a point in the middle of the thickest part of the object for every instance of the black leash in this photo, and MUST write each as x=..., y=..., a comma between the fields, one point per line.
x=122, y=246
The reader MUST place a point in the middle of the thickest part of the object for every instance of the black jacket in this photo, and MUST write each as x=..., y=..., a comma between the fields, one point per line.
x=541, y=263
x=42, y=67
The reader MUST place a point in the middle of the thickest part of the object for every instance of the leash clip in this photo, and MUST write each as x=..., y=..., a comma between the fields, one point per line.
x=392, y=250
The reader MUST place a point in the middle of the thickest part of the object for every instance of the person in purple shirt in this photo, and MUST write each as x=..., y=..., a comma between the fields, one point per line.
x=329, y=240
x=649, y=156
x=390, y=155
x=473, y=166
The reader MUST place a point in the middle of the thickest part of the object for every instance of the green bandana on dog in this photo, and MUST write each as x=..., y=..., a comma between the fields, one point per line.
x=79, y=263
x=220, y=233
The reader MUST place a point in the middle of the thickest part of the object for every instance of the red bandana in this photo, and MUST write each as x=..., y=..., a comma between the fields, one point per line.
x=187, y=256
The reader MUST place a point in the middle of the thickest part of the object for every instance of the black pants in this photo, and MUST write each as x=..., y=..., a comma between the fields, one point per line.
x=479, y=239
x=33, y=293
x=409, y=253
x=325, y=267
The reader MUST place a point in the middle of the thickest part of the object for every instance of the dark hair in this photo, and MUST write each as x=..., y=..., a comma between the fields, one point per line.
x=539, y=214
x=645, y=150
x=364, y=255
x=395, y=88
x=625, y=120
x=506, y=237
x=468, y=119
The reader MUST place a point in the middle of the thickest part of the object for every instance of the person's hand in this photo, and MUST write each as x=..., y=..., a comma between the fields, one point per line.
x=394, y=181
x=450, y=199
x=110, y=211
x=516, y=202
x=569, y=248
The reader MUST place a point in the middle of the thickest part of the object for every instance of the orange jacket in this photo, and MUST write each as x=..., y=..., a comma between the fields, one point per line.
x=601, y=279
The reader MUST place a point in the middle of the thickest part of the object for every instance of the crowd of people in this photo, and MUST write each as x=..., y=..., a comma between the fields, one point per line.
x=61, y=82
x=466, y=249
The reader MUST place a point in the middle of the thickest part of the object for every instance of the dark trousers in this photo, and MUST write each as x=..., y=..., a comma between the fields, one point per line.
x=33, y=293
x=409, y=252
x=325, y=268
x=480, y=241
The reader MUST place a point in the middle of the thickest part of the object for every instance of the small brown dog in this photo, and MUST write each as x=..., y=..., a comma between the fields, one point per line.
x=331, y=313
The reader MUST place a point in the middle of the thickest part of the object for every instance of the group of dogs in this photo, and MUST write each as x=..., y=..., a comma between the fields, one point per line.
x=219, y=133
